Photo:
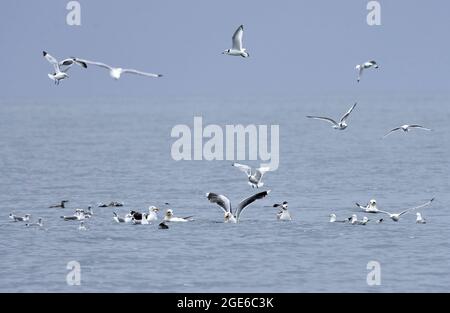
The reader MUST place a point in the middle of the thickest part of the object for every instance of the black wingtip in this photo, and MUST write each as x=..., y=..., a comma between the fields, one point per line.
x=160, y=75
x=44, y=53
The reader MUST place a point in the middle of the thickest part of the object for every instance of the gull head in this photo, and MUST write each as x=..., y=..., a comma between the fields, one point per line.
x=419, y=216
x=372, y=202
x=365, y=219
x=169, y=213
x=332, y=217
x=227, y=216
x=153, y=209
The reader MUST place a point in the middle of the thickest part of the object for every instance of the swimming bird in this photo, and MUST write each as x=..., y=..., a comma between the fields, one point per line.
x=163, y=225
x=89, y=213
x=254, y=176
x=342, y=123
x=79, y=215
x=116, y=72
x=62, y=205
x=283, y=214
x=354, y=220
x=420, y=219
x=16, y=218
x=127, y=219
x=396, y=216
x=361, y=67
x=142, y=221
x=169, y=217
x=152, y=215
x=333, y=219
x=237, y=49
x=111, y=204
x=406, y=128
x=370, y=207
x=39, y=223
x=82, y=226
x=225, y=204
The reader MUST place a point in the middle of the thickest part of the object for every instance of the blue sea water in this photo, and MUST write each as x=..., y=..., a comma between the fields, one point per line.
x=99, y=150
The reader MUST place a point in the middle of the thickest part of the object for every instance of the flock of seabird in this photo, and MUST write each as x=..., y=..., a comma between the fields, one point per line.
x=231, y=214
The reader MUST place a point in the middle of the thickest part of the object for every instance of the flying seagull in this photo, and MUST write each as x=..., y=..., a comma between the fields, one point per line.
x=60, y=73
x=225, y=204
x=371, y=207
x=396, y=216
x=254, y=177
x=237, y=49
x=406, y=128
x=342, y=123
x=116, y=72
x=361, y=67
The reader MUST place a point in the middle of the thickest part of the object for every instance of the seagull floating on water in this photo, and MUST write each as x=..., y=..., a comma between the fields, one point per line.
x=254, y=176
x=16, y=218
x=420, y=219
x=82, y=226
x=406, y=128
x=116, y=72
x=169, y=217
x=39, y=223
x=111, y=204
x=354, y=220
x=342, y=123
x=60, y=74
x=79, y=215
x=371, y=207
x=283, y=214
x=333, y=219
x=237, y=49
x=396, y=216
x=225, y=204
x=62, y=205
x=152, y=215
x=361, y=67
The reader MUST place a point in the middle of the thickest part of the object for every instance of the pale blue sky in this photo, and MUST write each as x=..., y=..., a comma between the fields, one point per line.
x=296, y=47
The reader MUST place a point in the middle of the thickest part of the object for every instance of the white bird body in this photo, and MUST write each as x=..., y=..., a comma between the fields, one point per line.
x=169, y=217
x=254, y=176
x=283, y=214
x=333, y=219
x=371, y=207
x=420, y=219
x=341, y=125
x=237, y=49
x=354, y=220
x=366, y=65
x=225, y=203
x=152, y=215
x=60, y=74
x=16, y=218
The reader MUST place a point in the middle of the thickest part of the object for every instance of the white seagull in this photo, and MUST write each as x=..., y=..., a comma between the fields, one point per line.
x=39, y=223
x=237, y=49
x=354, y=220
x=406, y=128
x=283, y=214
x=152, y=215
x=342, y=123
x=420, y=219
x=333, y=219
x=79, y=215
x=361, y=67
x=60, y=74
x=254, y=177
x=225, y=204
x=396, y=216
x=116, y=72
x=169, y=217
x=127, y=219
x=371, y=207
x=16, y=218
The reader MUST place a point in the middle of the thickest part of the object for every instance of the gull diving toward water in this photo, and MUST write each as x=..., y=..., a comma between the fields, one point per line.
x=342, y=123
x=237, y=49
x=396, y=216
x=283, y=214
x=62, y=205
x=116, y=72
x=39, y=223
x=420, y=219
x=254, y=177
x=225, y=204
x=406, y=128
x=371, y=207
x=60, y=73
x=333, y=219
x=16, y=218
x=361, y=67
x=169, y=217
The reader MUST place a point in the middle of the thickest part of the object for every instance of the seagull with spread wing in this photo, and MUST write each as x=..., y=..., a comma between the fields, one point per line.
x=237, y=49
x=406, y=128
x=254, y=176
x=62, y=67
x=342, y=123
x=396, y=216
x=366, y=65
x=225, y=204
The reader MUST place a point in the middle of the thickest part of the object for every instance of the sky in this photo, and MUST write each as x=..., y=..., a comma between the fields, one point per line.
x=296, y=47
